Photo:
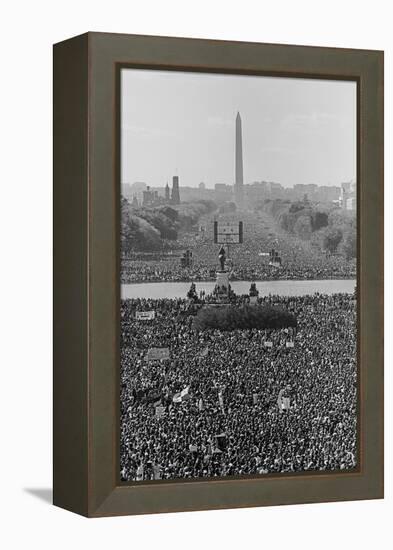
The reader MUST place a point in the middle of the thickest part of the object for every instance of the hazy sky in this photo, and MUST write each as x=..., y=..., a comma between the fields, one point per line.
x=294, y=130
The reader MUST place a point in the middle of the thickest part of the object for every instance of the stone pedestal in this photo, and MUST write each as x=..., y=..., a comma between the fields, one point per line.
x=253, y=300
x=222, y=285
x=222, y=279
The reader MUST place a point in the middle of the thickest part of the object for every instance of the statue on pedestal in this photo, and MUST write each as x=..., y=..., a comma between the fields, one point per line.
x=222, y=258
x=222, y=288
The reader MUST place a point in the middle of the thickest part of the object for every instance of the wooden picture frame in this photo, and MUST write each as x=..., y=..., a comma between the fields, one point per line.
x=86, y=272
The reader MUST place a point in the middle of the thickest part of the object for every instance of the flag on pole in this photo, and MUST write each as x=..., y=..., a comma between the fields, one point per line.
x=182, y=396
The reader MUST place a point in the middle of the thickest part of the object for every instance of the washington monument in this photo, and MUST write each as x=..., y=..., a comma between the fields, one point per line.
x=238, y=188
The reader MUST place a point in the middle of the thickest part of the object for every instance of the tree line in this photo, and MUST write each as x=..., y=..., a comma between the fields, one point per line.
x=326, y=226
x=149, y=228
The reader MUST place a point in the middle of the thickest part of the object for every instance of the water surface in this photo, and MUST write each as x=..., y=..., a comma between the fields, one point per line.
x=282, y=287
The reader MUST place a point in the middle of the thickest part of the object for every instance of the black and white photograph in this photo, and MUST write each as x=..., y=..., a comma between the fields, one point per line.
x=238, y=275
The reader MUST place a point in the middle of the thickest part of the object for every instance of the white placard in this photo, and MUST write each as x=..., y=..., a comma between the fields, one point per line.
x=145, y=315
x=157, y=354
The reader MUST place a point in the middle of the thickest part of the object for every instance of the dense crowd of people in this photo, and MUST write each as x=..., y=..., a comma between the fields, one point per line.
x=241, y=402
x=300, y=260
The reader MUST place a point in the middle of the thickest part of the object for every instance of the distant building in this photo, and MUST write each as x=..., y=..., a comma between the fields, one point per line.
x=274, y=190
x=175, y=198
x=202, y=186
x=328, y=193
x=254, y=193
x=135, y=190
x=126, y=191
x=147, y=197
x=351, y=203
x=150, y=197
x=223, y=193
x=196, y=194
x=315, y=193
x=138, y=186
x=135, y=202
x=348, y=195
x=167, y=193
x=301, y=189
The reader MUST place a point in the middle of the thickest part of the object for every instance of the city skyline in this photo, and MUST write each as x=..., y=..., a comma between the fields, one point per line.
x=295, y=131
x=138, y=184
